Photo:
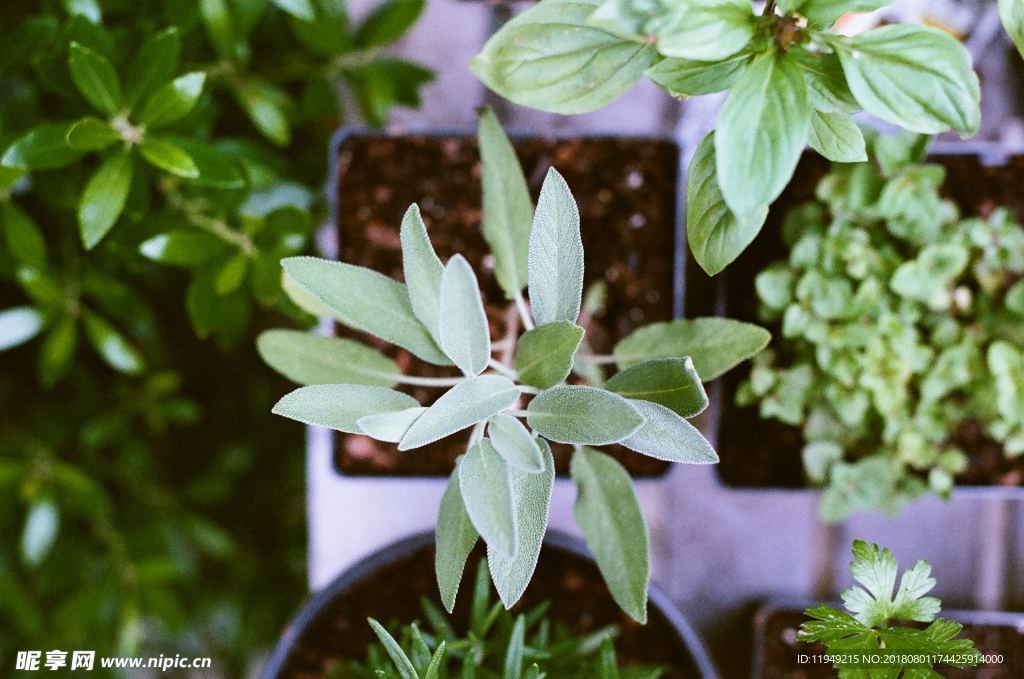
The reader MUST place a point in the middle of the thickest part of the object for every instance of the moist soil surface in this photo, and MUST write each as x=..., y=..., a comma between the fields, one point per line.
x=766, y=453
x=626, y=191
x=580, y=600
x=781, y=649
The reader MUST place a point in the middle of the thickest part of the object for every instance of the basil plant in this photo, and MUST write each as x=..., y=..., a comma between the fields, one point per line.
x=791, y=81
x=513, y=408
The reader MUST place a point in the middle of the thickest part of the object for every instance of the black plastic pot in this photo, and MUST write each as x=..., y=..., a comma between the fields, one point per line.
x=689, y=650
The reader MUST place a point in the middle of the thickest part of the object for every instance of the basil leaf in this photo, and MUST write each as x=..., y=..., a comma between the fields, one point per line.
x=95, y=78
x=456, y=538
x=555, y=254
x=462, y=324
x=465, y=404
x=707, y=30
x=91, y=134
x=827, y=90
x=824, y=13
x=422, y=269
x=688, y=78
x=164, y=155
x=104, y=197
x=670, y=382
x=339, y=406
x=667, y=436
x=582, y=415
x=311, y=359
x=837, y=137
x=173, y=101
x=487, y=493
x=545, y=354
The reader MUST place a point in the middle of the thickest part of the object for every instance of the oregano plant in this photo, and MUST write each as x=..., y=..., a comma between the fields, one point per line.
x=791, y=79
x=514, y=409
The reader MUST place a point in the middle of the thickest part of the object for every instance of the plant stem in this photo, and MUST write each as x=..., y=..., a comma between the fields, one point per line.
x=517, y=413
x=416, y=381
x=475, y=435
x=500, y=367
x=524, y=312
x=769, y=8
x=598, y=359
x=527, y=390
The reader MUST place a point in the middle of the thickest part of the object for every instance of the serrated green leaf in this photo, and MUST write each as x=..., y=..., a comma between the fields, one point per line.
x=44, y=147
x=555, y=259
x=173, y=101
x=40, y=533
x=112, y=346
x=667, y=436
x=583, y=416
x=716, y=345
x=515, y=443
x=388, y=22
x=463, y=332
x=155, y=64
x=916, y=77
x=18, y=325
x=91, y=134
x=311, y=359
x=715, y=233
x=707, y=30
x=456, y=538
x=367, y=301
x=873, y=603
x=422, y=269
x=761, y=132
x=405, y=668
x=24, y=240
x=390, y=427
x=508, y=210
x=837, y=137
x=545, y=354
x=164, y=155
x=104, y=197
x=183, y=247
x=671, y=382
x=486, y=486
x=689, y=78
x=550, y=58
x=465, y=404
x=533, y=501
x=95, y=78
x=339, y=406
x=609, y=515
x=1011, y=12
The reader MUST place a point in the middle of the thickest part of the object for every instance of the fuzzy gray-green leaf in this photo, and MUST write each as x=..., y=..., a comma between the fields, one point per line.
x=515, y=443
x=486, y=487
x=556, y=254
x=667, y=436
x=462, y=406
x=390, y=427
x=582, y=415
x=422, y=269
x=608, y=513
x=671, y=382
x=545, y=354
x=462, y=324
x=339, y=406
x=365, y=300
x=456, y=537
x=311, y=359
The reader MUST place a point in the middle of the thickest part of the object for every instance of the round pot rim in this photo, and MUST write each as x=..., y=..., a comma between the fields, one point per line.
x=320, y=600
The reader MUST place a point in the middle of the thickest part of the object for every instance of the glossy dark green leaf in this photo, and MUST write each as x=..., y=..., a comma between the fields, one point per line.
x=219, y=23
x=112, y=346
x=95, y=78
x=301, y=9
x=266, y=106
x=25, y=41
x=217, y=169
x=165, y=155
x=40, y=531
x=91, y=134
x=23, y=238
x=44, y=147
x=173, y=101
x=183, y=247
x=18, y=325
x=155, y=64
x=104, y=198
x=58, y=351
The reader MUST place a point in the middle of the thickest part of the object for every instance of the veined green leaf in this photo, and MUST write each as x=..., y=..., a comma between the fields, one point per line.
x=91, y=134
x=18, y=325
x=173, y=101
x=508, y=210
x=583, y=416
x=549, y=57
x=515, y=443
x=916, y=77
x=707, y=30
x=1012, y=14
x=827, y=90
x=533, y=501
x=95, y=78
x=667, y=436
x=311, y=359
x=487, y=493
x=112, y=346
x=422, y=269
x=716, y=345
x=155, y=64
x=367, y=301
x=456, y=538
x=761, y=133
x=545, y=354
x=104, y=197
x=339, y=406
x=44, y=147
x=405, y=668
x=609, y=515
x=390, y=427
x=671, y=382
x=837, y=137
x=462, y=324
x=555, y=254
x=715, y=233
x=465, y=404
x=166, y=156
x=689, y=78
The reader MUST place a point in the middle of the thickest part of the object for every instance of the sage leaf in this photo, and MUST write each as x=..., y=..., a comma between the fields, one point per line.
x=667, y=436
x=91, y=134
x=104, y=197
x=487, y=493
x=365, y=300
x=582, y=415
x=155, y=64
x=462, y=325
x=508, y=210
x=689, y=78
x=302, y=298
x=390, y=427
x=339, y=406
x=405, y=668
x=555, y=260
x=18, y=325
x=916, y=77
x=422, y=269
x=112, y=346
x=715, y=233
x=515, y=443
x=837, y=137
x=608, y=513
x=456, y=538
x=533, y=502
x=671, y=382
x=95, y=78
x=173, y=101
x=550, y=58
x=311, y=359
x=761, y=132
x=707, y=30
x=545, y=354
x=1011, y=12
x=166, y=156
x=44, y=147
x=462, y=406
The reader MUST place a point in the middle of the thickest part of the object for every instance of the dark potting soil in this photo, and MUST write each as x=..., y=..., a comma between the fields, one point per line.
x=781, y=649
x=580, y=600
x=626, y=191
x=766, y=453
